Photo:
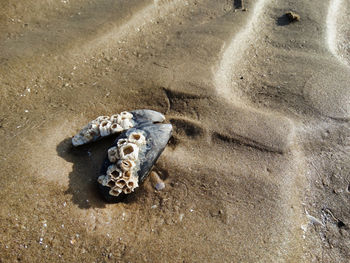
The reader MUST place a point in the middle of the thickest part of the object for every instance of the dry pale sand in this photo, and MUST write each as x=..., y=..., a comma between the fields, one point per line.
x=258, y=166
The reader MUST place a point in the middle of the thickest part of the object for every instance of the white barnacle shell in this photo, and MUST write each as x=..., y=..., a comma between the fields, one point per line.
x=121, y=183
x=93, y=127
x=132, y=183
x=127, y=190
x=137, y=138
x=115, y=127
x=84, y=136
x=126, y=165
x=113, y=172
x=121, y=142
x=111, y=184
x=102, y=118
x=79, y=139
x=127, y=175
x=113, y=154
x=116, y=118
x=129, y=151
x=104, y=179
x=89, y=135
x=115, y=191
x=126, y=115
x=100, y=179
x=105, y=128
x=126, y=124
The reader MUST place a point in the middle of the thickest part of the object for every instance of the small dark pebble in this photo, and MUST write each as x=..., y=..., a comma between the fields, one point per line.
x=340, y=224
x=292, y=17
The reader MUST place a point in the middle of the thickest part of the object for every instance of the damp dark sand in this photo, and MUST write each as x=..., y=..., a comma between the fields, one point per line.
x=258, y=167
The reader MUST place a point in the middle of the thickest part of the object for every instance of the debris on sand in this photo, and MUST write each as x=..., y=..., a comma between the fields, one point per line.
x=292, y=17
x=157, y=181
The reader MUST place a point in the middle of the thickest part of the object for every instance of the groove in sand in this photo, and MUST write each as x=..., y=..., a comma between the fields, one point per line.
x=331, y=35
x=235, y=51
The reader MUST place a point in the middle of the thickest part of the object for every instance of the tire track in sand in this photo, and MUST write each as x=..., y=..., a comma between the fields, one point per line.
x=227, y=89
x=234, y=53
x=332, y=29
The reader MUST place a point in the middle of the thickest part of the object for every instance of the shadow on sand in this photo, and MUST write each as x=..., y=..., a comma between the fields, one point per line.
x=283, y=20
x=87, y=161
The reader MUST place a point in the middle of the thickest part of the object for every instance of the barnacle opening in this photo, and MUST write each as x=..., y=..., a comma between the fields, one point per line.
x=127, y=175
x=126, y=190
x=115, y=191
x=128, y=149
x=104, y=123
x=111, y=184
x=121, y=183
x=121, y=142
x=136, y=136
x=126, y=165
x=115, y=174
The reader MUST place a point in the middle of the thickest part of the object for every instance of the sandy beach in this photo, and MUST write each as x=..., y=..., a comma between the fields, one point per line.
x=257, y=170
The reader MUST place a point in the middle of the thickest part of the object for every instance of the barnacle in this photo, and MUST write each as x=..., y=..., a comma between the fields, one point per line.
x=105, y=128
x=115, y=191
x=100, y=179
x=133, y=154
x=137, y=138
x=102, y=118
x=104, y=179
x=129, y=151
x=126, y=124
x=121, y=142
x=127, y=175
x=121, y=183
x=115, y=127
x=116, y=118
x=113, y=154
x=114, y=172
x=111, y=184
x=93, y=127
x=133, y=182
x=126, y=115
x=126, y=190
x=126, y=165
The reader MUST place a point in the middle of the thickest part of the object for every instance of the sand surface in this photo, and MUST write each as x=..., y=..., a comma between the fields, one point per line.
x=258, y=166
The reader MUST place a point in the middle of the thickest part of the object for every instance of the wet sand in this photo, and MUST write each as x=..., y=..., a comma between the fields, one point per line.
x=258, y=166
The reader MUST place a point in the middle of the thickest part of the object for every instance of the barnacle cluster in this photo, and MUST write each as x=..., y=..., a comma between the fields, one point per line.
x=103, y=126
x=121, y=175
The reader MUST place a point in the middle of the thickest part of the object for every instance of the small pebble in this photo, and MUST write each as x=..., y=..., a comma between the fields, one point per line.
x=157, y=181
x=293, y=17
x=181, y=216
x=160, y=186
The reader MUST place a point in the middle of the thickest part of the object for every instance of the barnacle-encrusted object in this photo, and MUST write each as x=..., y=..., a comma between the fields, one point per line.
x=131, y=158
x=104, y=125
